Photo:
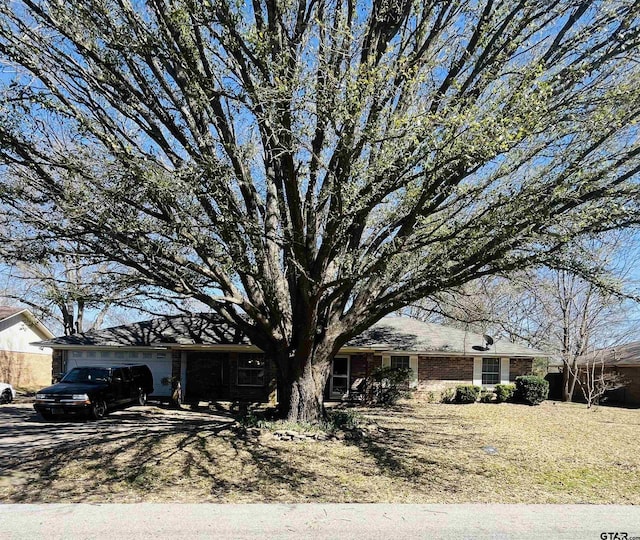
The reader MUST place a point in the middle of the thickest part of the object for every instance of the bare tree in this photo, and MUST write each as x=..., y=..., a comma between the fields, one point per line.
x=67, y=294
x=593, y=377
x=555, y=310
x=305, y=168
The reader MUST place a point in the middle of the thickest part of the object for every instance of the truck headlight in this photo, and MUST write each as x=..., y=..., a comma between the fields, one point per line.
x=41, y=396
x=80, y=397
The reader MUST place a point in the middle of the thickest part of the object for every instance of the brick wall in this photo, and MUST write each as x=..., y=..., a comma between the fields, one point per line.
x=58, y=363
x=445, y=368
x=439, y=372
x=519, y=366
x=27, y=371
x=363, y=364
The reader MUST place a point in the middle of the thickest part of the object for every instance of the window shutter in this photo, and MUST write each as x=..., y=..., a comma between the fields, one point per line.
x=504, y=371
x=413, y=364
x=477, y=371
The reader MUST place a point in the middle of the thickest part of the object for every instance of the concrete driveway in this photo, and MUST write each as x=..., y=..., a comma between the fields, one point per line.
x=22, y=431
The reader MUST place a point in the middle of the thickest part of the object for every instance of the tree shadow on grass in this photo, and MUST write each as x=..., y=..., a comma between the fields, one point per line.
x=139, y=454
x=405, y=452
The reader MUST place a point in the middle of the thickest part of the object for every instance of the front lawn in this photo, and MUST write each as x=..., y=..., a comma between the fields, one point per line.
x=553, y=453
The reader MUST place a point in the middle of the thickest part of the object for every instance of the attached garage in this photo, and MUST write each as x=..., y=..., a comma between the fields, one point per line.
x=159, y=363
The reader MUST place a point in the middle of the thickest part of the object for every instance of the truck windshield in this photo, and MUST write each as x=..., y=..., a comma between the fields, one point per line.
x=88, y=374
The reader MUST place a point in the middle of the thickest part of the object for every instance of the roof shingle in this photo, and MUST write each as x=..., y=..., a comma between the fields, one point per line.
x=390, y=333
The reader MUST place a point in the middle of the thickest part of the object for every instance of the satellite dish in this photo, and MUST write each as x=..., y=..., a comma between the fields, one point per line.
x=488, y=340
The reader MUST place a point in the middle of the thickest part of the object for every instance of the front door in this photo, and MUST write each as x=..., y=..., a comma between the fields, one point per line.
x=339, y=381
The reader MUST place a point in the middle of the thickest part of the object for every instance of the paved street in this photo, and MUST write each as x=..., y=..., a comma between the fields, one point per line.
x=342, y=521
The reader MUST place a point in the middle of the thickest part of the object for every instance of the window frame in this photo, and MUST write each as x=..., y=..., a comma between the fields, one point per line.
x=495, y=362
x=251, y=369
x=402, y=357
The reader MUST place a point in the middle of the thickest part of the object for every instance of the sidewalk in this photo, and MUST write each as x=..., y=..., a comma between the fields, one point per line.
x=327, y=521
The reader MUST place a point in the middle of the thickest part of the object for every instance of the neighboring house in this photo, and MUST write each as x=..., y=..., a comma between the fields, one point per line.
x=23, y=364
x=216, y=362
x=623, y=362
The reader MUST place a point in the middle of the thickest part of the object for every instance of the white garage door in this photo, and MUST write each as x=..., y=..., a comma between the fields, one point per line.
x=159, y=363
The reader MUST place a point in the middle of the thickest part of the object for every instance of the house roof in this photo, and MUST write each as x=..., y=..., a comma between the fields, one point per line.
x=195, y=329
x=7, y=312
x=390, y=333
x=627, y=355
x=407, y=334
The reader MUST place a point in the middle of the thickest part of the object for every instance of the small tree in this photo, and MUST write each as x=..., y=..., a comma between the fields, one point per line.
x=594, y=379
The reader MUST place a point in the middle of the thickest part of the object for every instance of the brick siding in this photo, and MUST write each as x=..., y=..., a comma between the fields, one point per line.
x=445, y=368
x=27, y=371
x=519, y=366
x=58, y=363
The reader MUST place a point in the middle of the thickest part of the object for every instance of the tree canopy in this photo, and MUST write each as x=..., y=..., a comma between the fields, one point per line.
x=305, y=167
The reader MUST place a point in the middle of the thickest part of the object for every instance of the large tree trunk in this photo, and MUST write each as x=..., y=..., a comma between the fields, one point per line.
x=301, y=383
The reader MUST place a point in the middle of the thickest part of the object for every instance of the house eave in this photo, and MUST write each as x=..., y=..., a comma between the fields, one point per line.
x=33, y=320
x=252, y=348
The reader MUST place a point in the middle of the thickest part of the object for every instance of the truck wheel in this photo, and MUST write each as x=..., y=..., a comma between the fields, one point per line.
x=98, y=410
x=142, y=397
x=6, y=396
x=46, y=415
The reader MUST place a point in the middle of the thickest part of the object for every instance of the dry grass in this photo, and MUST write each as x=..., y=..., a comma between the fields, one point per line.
x=554, y=453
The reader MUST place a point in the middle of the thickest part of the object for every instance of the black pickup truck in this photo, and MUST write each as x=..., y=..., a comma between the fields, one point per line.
x=93, y=391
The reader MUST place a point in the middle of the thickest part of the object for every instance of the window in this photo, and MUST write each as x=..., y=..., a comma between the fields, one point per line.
x=490, y=371
x=105, y=354
x=400, y=362
x=251, y=369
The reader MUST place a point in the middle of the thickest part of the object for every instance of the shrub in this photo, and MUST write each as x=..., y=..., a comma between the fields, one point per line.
x=342, y=419
x=448, y=395
x=467, y=393
x=531, y=389
x=252, y=419
x=487, y=396
x=388, y=384
x=504, y=392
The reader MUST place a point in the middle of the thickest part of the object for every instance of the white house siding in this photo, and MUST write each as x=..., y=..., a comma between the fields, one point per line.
x=25, y=366
x=16, y=335
x=159, y=363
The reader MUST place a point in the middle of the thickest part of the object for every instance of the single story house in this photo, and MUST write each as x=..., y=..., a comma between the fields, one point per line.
x=622, y=361
x=23, y=364
x=215, y=362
